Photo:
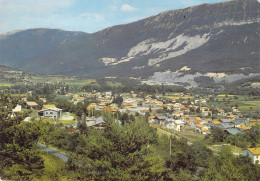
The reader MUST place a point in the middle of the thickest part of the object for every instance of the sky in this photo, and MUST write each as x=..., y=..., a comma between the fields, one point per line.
x=82, y=15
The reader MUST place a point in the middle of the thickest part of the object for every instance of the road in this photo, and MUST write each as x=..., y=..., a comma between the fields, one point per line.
x=54, y=152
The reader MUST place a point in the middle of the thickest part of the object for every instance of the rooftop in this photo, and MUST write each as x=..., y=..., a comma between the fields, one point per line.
x=255, y=151
x=48, y=106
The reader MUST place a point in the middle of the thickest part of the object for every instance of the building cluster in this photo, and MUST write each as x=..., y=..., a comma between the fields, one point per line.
x=170, y=114
x=202, y=125
x=180, y=113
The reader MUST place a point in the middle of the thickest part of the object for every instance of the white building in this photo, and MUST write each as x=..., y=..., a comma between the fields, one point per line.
x=51, y=113
x=174, y=124
x=253, y=153
x=16, y=110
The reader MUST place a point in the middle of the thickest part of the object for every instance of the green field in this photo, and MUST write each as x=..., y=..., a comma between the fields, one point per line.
x=80, y=82
x=114, y=84
x=175, y=95
x=188, y=134
x=6, y=84
x=62, y=79
x=217, y=147
x=64, y=122
x=53, y=168
x=244, y=102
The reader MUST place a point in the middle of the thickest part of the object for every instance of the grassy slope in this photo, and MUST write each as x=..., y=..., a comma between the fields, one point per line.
x=54, y=169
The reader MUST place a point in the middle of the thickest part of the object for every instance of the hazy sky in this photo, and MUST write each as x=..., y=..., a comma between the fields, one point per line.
x=82, y=15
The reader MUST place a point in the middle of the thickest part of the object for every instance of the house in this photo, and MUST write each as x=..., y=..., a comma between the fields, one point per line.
x=198, y=118
x=153, y=120
x=143, y=112
x=194, y=122
x=109, y=109
x=235, y=109
x=253, y=153
x=69, y=95
x=198, y=127
x=29, y=93
x=170, y=106
x=108, y=95
x=204, y=122
x=16, y=110
x=51, y=113
x=255, y=121
x=225, y=120
x=185, y=119
x=127, y=105
x=243, y=128
x=43, y=99
x=238, y=122
x=24, y=99
x=204, y=109
x=226, y=125
x=204, y=130
x=178, y=107
x=48, y=106
x=114, y=106
x=77, y=100
x=221, y=112
x=161, y=119
x=185, y=109
x=232, y=131
x=174, y=124
x=92, y=106
x=31, y=104
x=214, y=123
x=206, y=113
x=177, y=114
x=203, y=101
x=98, y=123
x=196, y=101
x=170, y=115
x=232, y=116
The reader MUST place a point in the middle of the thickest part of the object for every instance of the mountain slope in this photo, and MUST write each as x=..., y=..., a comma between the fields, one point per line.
x=220, y=37
x=18, y=47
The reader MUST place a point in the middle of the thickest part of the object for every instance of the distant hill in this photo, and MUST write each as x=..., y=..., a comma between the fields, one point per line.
x=18, y=48
x=5, y=68
x=218, y=38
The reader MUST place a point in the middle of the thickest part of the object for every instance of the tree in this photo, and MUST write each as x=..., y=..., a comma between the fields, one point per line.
x=163, y=91
x=118, y=153
x=228, y=167
x=218, y=134
x=125, y=118
x=82, y=126
x=19, y=151
x=118, y=100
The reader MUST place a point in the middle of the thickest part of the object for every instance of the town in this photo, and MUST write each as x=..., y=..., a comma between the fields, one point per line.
x=184, y=114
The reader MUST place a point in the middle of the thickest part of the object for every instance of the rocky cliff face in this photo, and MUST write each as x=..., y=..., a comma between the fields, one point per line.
x=218, y=38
